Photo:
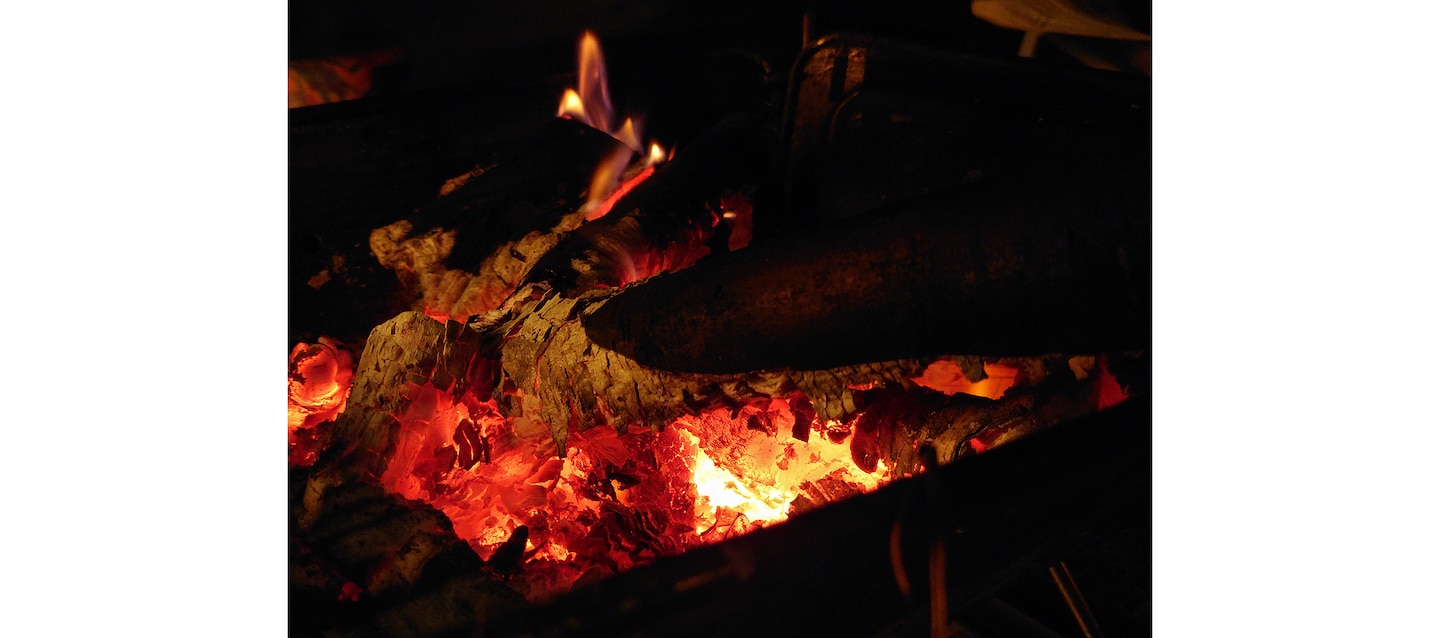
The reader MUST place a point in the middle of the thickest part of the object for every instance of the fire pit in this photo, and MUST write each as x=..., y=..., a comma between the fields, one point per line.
x=904, y=303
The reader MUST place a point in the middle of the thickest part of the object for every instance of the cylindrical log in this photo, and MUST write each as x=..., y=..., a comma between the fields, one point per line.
x=993, y=274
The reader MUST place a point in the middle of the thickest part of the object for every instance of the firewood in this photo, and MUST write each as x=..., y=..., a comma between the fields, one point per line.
x=563, y=379
x=535, y=357
x=996, y=274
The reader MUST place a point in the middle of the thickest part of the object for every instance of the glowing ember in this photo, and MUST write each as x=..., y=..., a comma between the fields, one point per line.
x=1110, y=391
x=320, y=376
x=946, y=376
x=599, y=209
x=617, y=499
x=761, y=473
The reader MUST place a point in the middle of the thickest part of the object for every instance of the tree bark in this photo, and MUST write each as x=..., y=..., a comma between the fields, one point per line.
x=991, y=274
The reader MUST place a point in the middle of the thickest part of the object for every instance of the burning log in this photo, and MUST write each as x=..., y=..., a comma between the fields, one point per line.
x=815, y=338
x=466, y=251
x=671, y=220
x=1022, y=276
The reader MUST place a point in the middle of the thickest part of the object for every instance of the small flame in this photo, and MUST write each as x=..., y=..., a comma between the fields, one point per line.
x=591, y=105
x=594, y=88
x=629, y=135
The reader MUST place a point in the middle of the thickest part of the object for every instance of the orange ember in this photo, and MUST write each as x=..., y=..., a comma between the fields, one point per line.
x=601, y=208
x=320, y=376
x=946, y=376
x=617, y=499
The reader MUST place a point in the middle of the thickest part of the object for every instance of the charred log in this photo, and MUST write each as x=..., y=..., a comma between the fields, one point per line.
x=897, y=424
x=999, y=274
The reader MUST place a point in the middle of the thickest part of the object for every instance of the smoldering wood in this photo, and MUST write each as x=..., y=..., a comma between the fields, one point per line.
x=1041, y=496
x=908, y=421
x=535, y=358
x=408, y=351
x=984, y=273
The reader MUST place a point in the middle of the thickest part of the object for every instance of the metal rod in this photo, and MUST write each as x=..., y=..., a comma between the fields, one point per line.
x=1081, y=610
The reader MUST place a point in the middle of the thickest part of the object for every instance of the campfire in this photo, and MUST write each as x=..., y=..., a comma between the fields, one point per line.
x=620, y=351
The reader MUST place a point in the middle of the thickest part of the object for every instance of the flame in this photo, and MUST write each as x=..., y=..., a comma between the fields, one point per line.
x=628, y=134
x=600, y=209
x=572, y=106
x=594, y=88
x=590, y=104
